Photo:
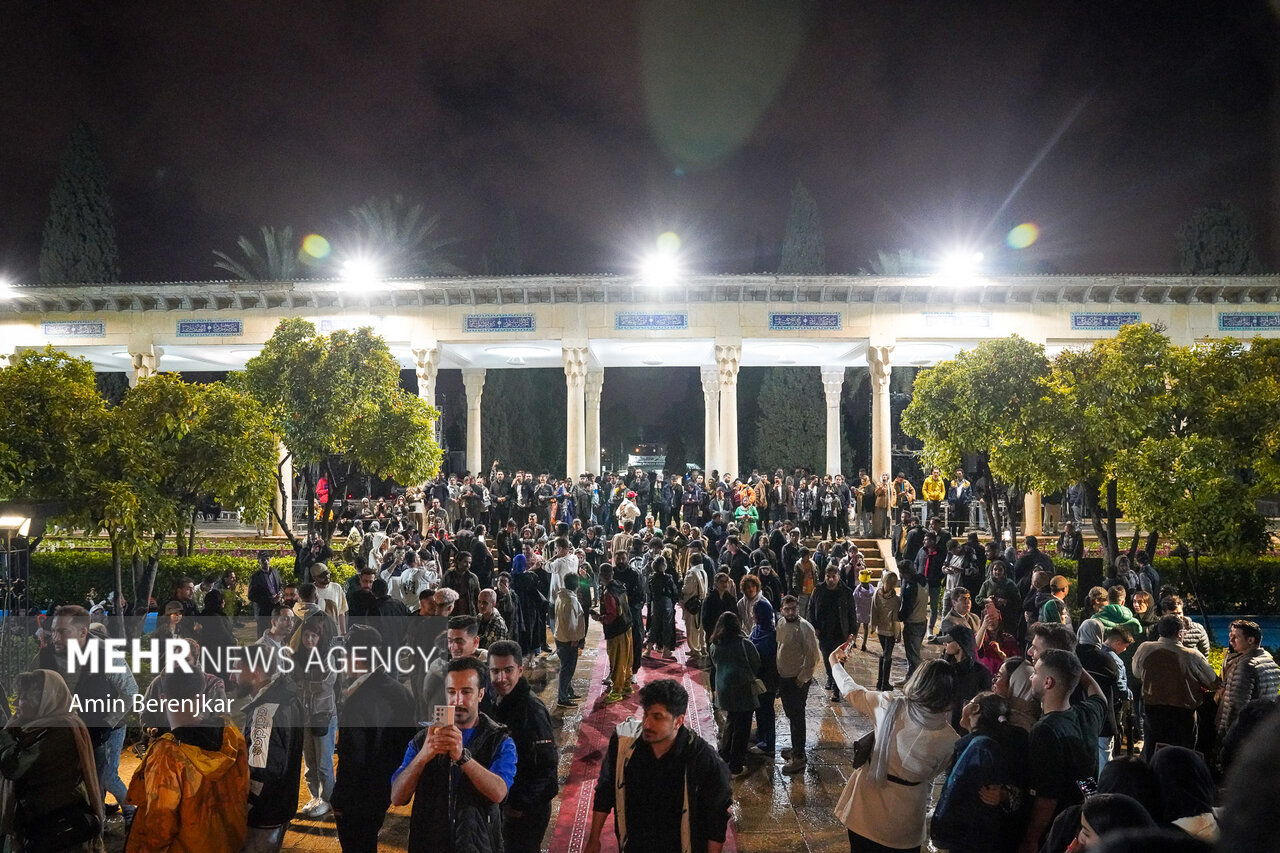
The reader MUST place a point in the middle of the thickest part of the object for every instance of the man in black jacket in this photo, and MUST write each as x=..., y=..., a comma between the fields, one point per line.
x=637, y=591
x=375, y=725
x=275, y=716
x=511, y=702
x=657, y=766
x=832, y=617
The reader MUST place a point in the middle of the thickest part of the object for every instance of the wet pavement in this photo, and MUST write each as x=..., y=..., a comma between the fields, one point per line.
x=772, y=812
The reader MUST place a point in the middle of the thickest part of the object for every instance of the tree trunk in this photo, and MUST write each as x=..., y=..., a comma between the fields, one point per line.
x=191, y=542
x=1015, y=513
x=117, y=612
x=1089, y=505
x=144, y=581
x=1153, y=538
x=1111, y=523
x=284, y=492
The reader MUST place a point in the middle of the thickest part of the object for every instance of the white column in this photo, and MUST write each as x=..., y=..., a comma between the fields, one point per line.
x=426, y=360
x=146, y=363
x=575, y=377
x=1032, y=524
x=473, y=380
x=832, y=385
x=711, y=418
x=284, y=501
x=595, y=384
x=881, y=413
x=728, y=360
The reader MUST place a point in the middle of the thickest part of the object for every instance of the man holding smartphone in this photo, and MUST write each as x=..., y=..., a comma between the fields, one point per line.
x=464, y=769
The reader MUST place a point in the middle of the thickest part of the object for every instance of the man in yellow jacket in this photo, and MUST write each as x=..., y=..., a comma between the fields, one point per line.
x=192, y=788
x=933, y=491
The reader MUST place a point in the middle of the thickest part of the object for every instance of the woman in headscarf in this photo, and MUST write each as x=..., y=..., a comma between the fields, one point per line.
x=980, y=805
x=213, y=630
x=883, y=805
x=663, y=592
x=1186, y=791
x=765, y=639
x=532, y=604
x=49, y=797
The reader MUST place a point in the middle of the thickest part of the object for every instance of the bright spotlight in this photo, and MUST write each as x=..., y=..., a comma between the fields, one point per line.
x=360, y=273
x=660, y=268
x=960, y=264
x=7, y=290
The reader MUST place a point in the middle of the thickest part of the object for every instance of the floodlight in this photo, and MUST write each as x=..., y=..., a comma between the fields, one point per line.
x=359, y=273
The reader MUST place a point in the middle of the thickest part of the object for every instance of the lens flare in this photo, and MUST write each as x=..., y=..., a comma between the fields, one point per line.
x=1022, y=236
x=316, y=246
x=669, y=243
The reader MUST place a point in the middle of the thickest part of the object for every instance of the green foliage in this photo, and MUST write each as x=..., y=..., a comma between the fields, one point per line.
x=278, y=261
x=1246, y=585
x=522, y=419
x=79, y=245
x=1218, y=239
x=791, y=431
x=67, y=577
x=337, y=403
x=399, y=238
x=802, y=247
x=50, y=423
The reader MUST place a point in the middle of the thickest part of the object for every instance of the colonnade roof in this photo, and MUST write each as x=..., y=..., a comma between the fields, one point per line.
x=606, y=289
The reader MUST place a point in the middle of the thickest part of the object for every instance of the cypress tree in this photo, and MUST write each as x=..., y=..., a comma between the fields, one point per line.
x=1218, y=239
x=79, y=236
x=802, y=250
x=791, y=430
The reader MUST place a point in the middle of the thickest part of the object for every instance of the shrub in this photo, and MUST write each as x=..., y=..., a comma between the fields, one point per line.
x=65, y=577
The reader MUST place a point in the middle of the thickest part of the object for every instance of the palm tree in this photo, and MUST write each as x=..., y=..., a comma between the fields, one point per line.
x=279, y=261
x=400, y=239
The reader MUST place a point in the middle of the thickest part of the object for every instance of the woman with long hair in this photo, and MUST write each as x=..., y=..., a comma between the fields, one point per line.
x=765, y=638
x=316, y=690
x=737, y=666
x=883, y=804
x=49, y=797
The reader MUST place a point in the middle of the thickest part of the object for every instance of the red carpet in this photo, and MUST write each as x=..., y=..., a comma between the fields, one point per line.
x=596, y=727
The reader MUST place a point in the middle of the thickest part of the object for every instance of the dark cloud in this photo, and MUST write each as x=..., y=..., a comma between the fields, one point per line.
x=603, y=123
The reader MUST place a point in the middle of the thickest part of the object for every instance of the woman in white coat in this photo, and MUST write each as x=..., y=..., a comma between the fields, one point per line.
x=883, y=805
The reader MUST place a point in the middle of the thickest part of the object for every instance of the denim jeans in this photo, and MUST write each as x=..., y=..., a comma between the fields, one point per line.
x=107, y=758
x=794, y=699
x=568, y=654
x=317, y=752
x=886, y=661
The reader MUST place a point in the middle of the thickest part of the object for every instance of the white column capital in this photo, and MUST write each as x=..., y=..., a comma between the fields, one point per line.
x=595, y=381
x=832, y=384
x=575, y=365
x=473, y=381
x=728, y=360
x=146, y=363
x=426, y=362
x=710, y=375
x=879, y=359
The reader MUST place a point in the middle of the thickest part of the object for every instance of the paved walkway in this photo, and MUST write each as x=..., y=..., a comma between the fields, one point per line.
x=772, y=812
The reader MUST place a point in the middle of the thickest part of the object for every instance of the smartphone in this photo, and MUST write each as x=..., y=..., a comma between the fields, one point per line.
x=443, y=715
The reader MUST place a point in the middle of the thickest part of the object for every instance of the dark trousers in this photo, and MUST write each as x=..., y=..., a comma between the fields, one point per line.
x=524, y=834
x=766, y=721
x=638, y=635
x=794, y=700
x=829, y=646
x=858, y=844
x=734, y=751
x=1170, y=725
x=358, y=829
x=568, y=654
x=886, y=661
x=912, y=644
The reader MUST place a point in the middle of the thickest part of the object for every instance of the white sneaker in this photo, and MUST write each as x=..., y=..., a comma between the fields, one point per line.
x=305, y=811
x=322, y=808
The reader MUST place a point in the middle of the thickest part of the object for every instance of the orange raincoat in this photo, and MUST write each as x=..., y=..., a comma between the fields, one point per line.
x=191, y=800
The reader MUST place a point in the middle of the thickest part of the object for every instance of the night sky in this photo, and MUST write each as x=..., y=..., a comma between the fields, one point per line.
x=921, y=125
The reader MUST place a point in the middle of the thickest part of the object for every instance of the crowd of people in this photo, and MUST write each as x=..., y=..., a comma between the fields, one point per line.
x=1053, y=726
